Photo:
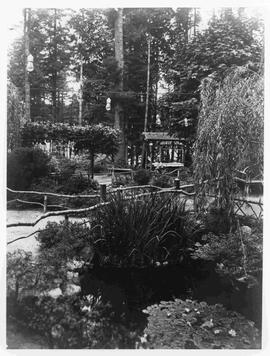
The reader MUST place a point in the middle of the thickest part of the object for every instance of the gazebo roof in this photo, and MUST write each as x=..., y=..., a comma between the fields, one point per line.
x=159, y=136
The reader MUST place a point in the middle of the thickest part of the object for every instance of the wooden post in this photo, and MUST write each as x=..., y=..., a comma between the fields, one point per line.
x=45, y=204
x=118, y=192
x=113, y=175
x=177, y=183
x=103, y=192
x=195, y=207
x=132, y=174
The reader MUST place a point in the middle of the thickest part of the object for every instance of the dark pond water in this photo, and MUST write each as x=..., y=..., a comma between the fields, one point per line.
x=131, y=290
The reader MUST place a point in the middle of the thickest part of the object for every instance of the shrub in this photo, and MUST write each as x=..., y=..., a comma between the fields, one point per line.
x=141, y=232
x=25, y=166
x=68, y=240
x=237, y=255
x=142, y=176
x=188, y=324
x=29, y=275
x=121, y=180
x=70, y=322
x=66, y=321
x=78, y=184
x=65, y=168
x=162, y=180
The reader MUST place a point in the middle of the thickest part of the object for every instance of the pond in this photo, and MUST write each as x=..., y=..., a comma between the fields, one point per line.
x=131, y=290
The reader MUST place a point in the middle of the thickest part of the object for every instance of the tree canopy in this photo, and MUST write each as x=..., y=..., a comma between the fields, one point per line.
x=90, y=138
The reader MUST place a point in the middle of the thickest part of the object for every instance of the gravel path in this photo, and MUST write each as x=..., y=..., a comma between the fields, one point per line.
x=29, y=244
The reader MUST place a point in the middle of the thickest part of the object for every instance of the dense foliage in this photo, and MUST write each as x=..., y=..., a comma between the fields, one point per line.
x=231, y=38
x=25, y=166
x=189, y=324
x=230, y=135
x=142, y=176
x=237, y=255
x=92, y=139
x=182, y=54
x=65, y=320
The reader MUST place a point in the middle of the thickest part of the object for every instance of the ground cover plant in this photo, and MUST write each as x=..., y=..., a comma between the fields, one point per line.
x=237, y=255
x=188, y=324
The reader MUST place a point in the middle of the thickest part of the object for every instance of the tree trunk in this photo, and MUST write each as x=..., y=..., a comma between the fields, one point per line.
x=119, y=120
x=26, y=74
x=147, y=100
x=54, y=74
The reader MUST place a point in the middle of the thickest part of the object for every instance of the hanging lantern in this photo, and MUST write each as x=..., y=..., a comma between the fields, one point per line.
x=158, y=121
x=108, y=104
x=30, y=64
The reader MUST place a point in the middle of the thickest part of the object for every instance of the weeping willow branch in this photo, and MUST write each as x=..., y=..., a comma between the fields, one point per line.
x=229, y=135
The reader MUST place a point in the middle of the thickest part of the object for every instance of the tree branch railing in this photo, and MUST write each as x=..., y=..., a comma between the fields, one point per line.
x=68, y=212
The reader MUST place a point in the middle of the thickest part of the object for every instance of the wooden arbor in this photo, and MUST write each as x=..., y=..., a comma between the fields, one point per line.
x=163, y=150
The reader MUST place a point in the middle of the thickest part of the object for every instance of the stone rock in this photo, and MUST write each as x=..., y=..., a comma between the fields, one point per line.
x=74, y=264
x=55, y=293
x=73, y=277
x=245, y=230
x=72, y=289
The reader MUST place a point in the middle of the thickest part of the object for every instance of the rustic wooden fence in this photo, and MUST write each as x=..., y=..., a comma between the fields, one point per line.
x=133, y=192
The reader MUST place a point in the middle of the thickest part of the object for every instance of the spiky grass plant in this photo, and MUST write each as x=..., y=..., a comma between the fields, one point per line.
x=141, y=232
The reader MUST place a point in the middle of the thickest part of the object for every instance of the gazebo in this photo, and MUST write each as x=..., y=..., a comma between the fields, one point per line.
x=164, y=150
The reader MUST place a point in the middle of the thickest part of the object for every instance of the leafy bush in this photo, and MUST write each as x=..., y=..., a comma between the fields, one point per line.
x=141, y=231
x=70, y=322
x=162, y=180
x=188, y=324
x=121, y=180
x=142, y=176
x=67, y=239
x=237, y=255
x=65, y=169
x=78, y=184
x=66, y=321
x=25, y=166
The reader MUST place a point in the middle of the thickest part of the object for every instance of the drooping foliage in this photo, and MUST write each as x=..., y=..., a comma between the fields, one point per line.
x=229, y=136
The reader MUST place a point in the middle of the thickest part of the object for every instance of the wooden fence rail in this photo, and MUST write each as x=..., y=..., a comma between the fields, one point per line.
x=104, y=197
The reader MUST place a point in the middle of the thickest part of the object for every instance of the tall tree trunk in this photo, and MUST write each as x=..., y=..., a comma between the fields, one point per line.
x=147, y=101
x=195, y=22
x=54, y=74
x=119, y=119
x=27, y=15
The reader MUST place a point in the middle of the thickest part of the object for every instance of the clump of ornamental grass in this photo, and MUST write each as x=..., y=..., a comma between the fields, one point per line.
x=140, y=232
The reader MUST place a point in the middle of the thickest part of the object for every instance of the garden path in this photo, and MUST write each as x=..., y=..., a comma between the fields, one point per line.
x=29, y=244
